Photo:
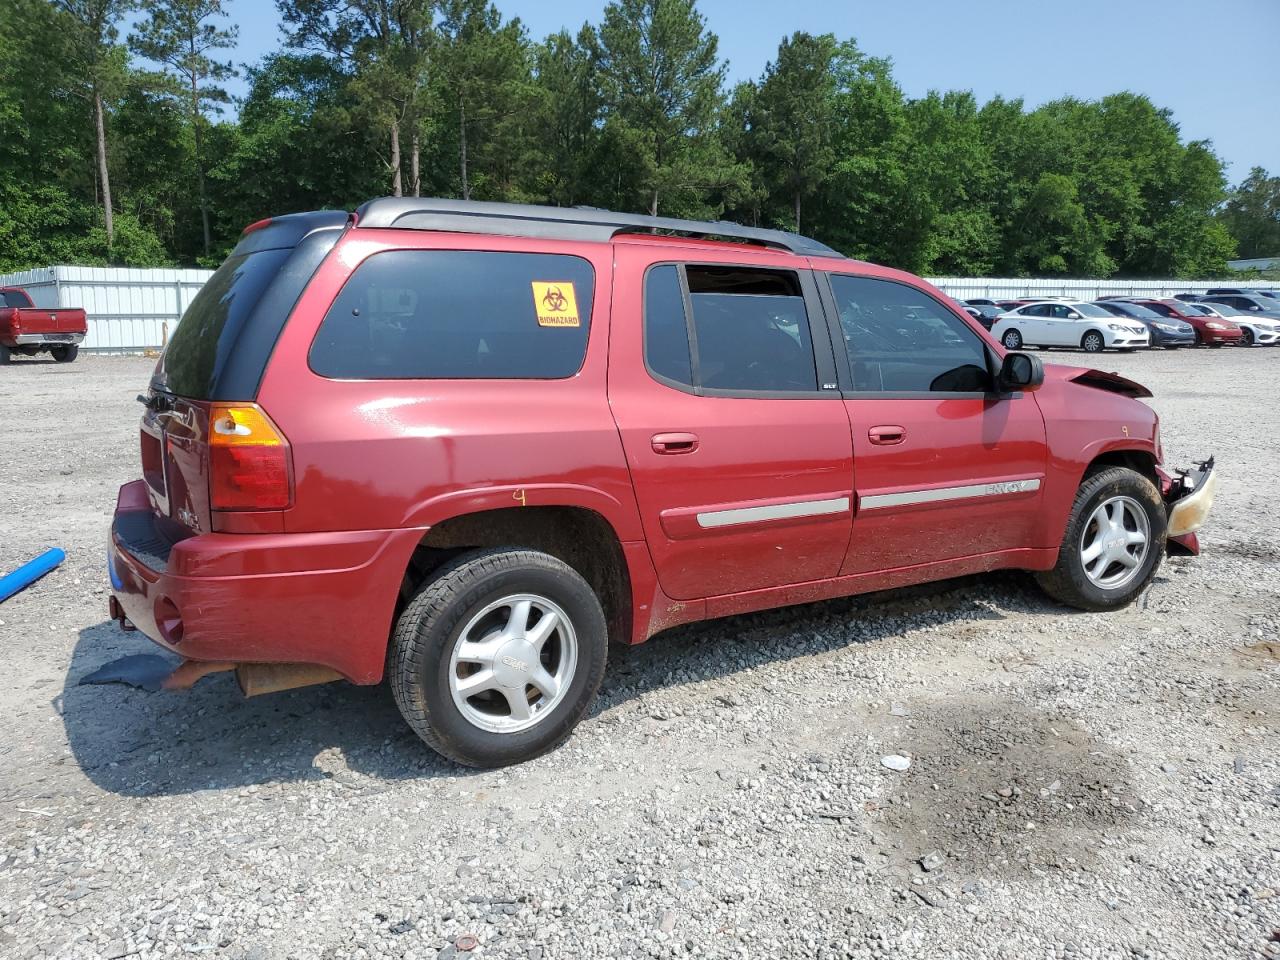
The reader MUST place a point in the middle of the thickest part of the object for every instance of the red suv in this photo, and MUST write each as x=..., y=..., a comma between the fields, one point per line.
x=464, y=445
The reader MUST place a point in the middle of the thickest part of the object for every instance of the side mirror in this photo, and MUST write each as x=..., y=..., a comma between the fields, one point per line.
x=1073, y=315
x=1020, y=371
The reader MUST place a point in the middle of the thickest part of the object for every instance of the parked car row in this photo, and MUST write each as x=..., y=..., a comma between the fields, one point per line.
x=1220, y=317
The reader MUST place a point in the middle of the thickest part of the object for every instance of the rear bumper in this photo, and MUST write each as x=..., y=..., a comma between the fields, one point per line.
x=49, y=339
x=320, y=598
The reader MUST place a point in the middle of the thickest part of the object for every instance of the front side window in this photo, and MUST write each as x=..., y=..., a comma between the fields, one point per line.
x=748, y=331
x=458, y=314
x=899, y=339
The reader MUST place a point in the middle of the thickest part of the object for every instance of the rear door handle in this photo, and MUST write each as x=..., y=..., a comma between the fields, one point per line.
x=671, y=443
x=887, y=435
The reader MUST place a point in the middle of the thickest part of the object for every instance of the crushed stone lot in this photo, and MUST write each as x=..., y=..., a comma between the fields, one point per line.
x=1080, y=785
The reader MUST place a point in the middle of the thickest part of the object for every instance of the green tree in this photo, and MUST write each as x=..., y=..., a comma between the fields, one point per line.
x=180, y=35
x=384, y=46
x=1252, y=215
x=485, y=89
x=793, y=109
x=661, y=83
x=566, y=109
x=99, y=65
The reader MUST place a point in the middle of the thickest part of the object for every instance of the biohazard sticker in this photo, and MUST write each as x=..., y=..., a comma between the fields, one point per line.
x=556, y=304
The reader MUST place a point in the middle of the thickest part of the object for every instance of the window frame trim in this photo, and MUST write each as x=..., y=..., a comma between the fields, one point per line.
x=843, y=364
x=577, y=372
x=825, y=366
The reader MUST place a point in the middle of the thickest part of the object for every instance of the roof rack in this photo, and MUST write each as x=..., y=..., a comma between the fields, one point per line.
x=562, y=223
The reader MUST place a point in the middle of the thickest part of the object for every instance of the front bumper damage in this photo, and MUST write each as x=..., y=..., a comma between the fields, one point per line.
x=1188, y=497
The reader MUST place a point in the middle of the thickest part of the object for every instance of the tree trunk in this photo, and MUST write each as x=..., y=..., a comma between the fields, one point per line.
x=797, y=211
x=104, y=177
x=414, y=165
x=397, y=186
x=462, y=152
x=199, y=143
x=653, y=203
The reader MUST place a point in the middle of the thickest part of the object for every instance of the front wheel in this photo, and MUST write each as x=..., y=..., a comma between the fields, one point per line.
x=1012, y=339
x=65, y=353
x=1113, y=543
x=496, y=659
x=1247, y=338
x=1092, y=342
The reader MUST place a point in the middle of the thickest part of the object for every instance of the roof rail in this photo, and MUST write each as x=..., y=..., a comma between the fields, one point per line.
x=562, y=223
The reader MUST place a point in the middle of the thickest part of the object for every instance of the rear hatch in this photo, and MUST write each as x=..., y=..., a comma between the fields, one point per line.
x=218, y=354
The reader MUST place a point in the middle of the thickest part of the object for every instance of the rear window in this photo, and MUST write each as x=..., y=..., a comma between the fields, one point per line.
x=458, y=314
x=14, y=298
x=209, y=328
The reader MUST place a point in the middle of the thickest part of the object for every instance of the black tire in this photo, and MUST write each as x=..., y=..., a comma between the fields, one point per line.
x=1068, y=582
x=1247, y=338
x=418, y=664
x=1012, y=340
x=66, y=353
x=5, y=355
x=1093, y=342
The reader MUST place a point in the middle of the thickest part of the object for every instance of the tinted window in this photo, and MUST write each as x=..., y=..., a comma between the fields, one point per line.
x=14, y=298
x=208, y=330
x=900, y=339
x=419, y=314
x=666, y=333
x=751, y=330
x=1038, y=310
x=1163, y=309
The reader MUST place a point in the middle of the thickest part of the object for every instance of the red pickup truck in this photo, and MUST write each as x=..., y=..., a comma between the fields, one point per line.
x=463, y=445
x=28, y=329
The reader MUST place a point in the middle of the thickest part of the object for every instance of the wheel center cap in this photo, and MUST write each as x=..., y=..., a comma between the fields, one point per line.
x=1115, y=543
x=515, y=660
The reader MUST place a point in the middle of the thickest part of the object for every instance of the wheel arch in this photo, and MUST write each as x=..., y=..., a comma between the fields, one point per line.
x=1084, y=336
x=579, y=536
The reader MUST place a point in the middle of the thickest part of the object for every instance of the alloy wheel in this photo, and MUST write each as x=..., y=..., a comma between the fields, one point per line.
x=1115, y=542
x=513, y=663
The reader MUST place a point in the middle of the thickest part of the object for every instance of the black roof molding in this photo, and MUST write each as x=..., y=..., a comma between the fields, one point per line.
x=562, y=223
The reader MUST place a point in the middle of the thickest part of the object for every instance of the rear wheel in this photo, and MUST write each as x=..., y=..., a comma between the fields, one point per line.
x=1093, y=342
x=1113, y=542
x=4, y=354
x=1012, y=339
x=66, y=352
x=496, y=659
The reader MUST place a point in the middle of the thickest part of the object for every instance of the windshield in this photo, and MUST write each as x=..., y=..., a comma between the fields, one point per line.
x=1138, y=310
x=1090, y=310
x=1217, y=309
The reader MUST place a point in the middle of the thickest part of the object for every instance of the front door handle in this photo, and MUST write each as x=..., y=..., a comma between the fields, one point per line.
x=887, y=435
x=671, y=443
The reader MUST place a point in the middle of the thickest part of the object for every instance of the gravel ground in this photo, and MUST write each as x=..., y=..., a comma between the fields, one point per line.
x=1081, y=785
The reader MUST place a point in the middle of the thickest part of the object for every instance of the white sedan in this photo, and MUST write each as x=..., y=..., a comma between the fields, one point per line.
x=1068, y=323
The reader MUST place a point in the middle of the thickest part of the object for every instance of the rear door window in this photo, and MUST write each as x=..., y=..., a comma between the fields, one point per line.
x=458, y=314
x=14, y=298
x=739, y=331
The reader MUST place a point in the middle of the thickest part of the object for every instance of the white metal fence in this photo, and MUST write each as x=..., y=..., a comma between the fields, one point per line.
x=130, y=310
x=1010, y=288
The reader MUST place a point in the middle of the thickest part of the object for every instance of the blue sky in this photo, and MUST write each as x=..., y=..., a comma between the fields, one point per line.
x=1210, y=61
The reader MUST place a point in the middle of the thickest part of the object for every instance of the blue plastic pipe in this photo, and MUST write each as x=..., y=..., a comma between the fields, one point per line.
x=29, y=573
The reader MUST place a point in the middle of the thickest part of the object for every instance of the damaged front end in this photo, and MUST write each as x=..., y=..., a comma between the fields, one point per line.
x=1188, y=498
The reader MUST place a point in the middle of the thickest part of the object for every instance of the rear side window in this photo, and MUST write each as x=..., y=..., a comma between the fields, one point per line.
x=747, y=332
x=458, y=314
x=14, y=298
x=899, y=339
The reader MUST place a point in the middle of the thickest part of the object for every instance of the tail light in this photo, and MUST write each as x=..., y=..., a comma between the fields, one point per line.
x=249, y=463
